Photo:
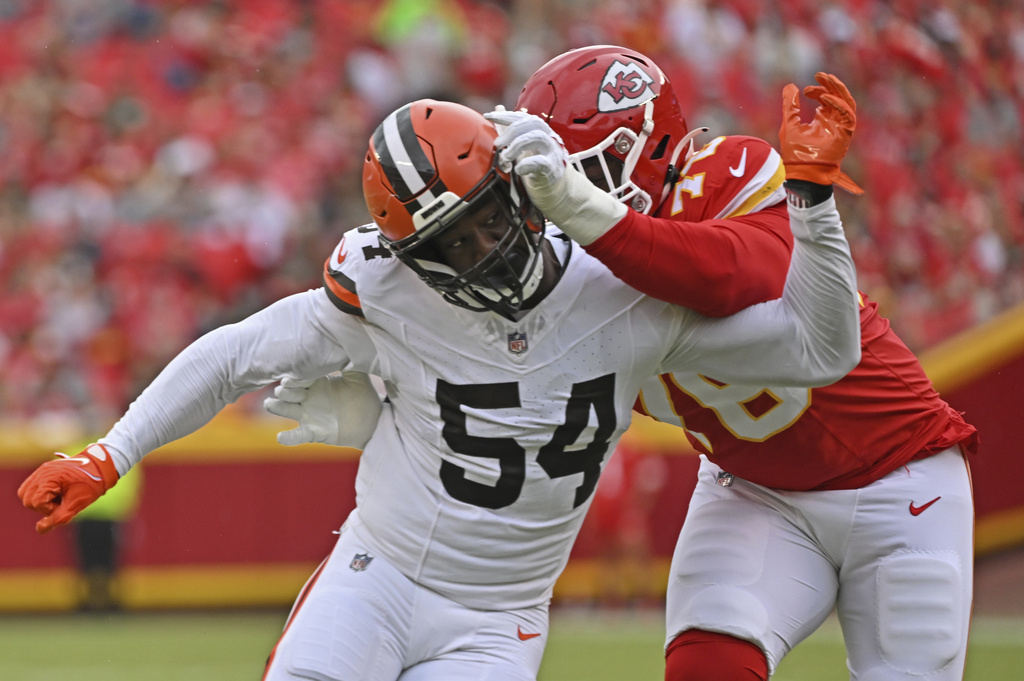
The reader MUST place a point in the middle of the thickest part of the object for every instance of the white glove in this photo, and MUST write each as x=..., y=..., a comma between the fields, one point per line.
x=529, y=145
x=500, y=109
x=564, y=195
x=339, y=410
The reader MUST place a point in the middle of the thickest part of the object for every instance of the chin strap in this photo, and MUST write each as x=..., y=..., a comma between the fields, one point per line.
x=536, y=267
x=633, y=157
x=674, y=170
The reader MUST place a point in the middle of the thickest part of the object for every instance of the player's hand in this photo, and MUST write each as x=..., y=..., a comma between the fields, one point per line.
x=61, y=489
x=813, y=151
x=339, y=410
x=529, y=145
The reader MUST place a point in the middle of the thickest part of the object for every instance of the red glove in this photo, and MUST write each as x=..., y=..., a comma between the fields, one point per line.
x=813, y=151
x=60, y=489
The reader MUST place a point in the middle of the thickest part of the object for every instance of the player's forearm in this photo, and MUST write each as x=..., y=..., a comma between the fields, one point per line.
x=821, y=292
x=580, y=209
x=282, y=340
x=809, y=337
x=186, y=394
x=716, y=267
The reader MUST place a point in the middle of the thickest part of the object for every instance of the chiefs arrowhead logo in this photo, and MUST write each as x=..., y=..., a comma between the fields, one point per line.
x=624, y=86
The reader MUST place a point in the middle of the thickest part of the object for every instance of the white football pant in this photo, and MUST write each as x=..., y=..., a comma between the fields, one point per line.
x=894, y=559
x=359, y=619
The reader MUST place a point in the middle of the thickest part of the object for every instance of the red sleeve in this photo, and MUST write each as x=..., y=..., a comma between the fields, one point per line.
x=716, y=267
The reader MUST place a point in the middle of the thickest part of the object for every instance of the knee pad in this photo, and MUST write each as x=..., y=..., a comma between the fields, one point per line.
x=697, y=655
x=921, y=616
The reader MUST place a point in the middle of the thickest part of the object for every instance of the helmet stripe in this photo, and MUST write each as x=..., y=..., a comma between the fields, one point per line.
x=414, y=154
x=387, y=163
x=405, y=165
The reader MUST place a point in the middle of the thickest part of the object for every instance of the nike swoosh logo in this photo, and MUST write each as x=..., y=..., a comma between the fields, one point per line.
x=341, y=251
x=525, y=637
x=741, y=168
x=88, y=473
x=918, y=510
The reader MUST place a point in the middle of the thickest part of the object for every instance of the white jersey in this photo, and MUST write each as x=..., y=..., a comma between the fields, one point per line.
x=478, y=476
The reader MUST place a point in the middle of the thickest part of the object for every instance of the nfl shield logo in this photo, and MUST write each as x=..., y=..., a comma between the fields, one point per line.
x=360, y=562
x=517, y=343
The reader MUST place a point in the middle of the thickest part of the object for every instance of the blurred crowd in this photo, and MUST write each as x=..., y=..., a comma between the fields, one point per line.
x=173, y=165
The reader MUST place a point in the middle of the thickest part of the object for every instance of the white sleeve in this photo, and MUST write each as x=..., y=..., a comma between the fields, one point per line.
x=809, y=337
x=302, y=336
x=578, y=207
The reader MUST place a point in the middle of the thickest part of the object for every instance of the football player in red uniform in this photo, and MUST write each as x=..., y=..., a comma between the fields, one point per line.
x=854, y=496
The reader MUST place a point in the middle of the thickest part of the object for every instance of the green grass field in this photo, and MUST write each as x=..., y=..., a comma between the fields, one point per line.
x=218, y=646
x=606, y=647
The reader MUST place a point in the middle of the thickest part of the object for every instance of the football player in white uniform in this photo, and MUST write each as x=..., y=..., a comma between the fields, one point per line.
x=505, y=394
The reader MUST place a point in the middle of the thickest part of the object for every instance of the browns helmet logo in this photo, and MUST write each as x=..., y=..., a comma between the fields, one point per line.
x=624, y=86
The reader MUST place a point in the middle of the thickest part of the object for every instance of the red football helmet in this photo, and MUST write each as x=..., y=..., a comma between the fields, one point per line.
x=608, y=99
x=429, y=163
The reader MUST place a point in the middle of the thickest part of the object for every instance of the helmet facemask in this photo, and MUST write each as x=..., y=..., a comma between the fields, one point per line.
x=501, y=281
x=626, y=145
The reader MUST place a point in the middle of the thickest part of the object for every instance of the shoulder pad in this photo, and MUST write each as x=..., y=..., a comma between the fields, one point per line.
x=356, y=247
x=729, y=176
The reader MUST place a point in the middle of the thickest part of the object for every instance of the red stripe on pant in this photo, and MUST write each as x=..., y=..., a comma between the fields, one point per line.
x=295, y=611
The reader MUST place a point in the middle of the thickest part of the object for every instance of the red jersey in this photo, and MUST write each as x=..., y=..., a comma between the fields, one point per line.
x=726, y=214
x=882, y=415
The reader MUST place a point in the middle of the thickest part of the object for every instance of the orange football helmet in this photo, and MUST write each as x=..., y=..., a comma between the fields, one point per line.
x=428, y=163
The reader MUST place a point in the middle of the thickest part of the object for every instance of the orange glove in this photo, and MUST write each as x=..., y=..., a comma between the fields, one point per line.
x=813, y=151
x=60, y=489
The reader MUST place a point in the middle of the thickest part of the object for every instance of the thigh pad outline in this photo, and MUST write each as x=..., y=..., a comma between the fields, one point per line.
x=920, y=610
x=341, y=634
